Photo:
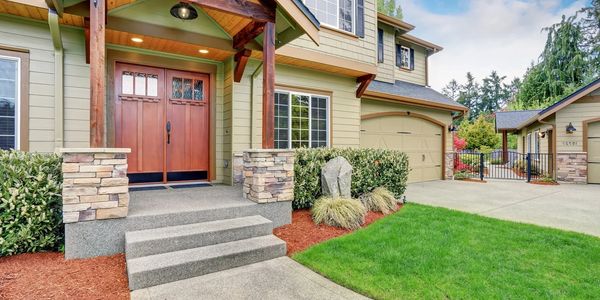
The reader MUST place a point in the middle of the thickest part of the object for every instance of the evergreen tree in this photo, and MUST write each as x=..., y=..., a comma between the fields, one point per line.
x=494, y=94
x=452, y=90
x=390, y=8
x=469, y=96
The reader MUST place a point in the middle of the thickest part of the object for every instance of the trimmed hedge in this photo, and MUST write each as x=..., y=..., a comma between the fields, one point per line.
x=30, y=202
x=371, y=168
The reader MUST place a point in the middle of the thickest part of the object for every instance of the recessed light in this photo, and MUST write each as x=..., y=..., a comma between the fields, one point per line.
x=203, y=51
x=136, y=40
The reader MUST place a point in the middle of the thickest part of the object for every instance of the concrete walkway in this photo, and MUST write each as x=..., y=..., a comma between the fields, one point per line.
x=280, y=278
x=566, y=206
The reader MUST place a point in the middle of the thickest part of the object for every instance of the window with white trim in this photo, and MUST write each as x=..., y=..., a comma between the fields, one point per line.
x=301, y=120
x=335, y=13
x=9, y=101
x=405, y=57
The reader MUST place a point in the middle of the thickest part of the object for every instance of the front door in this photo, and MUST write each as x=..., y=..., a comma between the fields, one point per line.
x=163, y=116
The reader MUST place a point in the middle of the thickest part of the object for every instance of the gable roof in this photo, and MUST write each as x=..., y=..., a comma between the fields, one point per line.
x=578, y=94
x=511, y=120
x=412, y=93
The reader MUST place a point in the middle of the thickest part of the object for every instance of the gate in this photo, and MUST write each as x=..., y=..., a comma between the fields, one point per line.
x=504, y=165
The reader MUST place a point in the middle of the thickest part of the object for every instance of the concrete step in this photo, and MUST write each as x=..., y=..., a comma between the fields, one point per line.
x=173, y=266
x=174, y=238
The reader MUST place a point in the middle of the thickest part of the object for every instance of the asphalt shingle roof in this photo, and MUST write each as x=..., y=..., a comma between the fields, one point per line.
x=411, y=90
x=513, y=119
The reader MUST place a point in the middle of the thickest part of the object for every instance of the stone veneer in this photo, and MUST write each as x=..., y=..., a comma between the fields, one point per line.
x=268, y=175
x=238, y=168
x=449, y=170
x=571, y=167
x=95, y=184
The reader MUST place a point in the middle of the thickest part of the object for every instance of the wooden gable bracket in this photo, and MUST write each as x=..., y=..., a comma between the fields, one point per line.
x=364, y=82
x=242, y=8
x=247, y=34
x=241, y=59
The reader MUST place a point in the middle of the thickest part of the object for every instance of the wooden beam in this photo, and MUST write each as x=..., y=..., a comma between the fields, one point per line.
x=242, y=8
x=247, y=34
x=364, y=82
x=97, y=71
x=268, y=117
x=241, y=59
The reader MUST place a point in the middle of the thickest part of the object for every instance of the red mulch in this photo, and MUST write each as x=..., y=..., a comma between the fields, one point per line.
x=50, y=276
x=539, y=182
x=303, y=232
x=473, y=180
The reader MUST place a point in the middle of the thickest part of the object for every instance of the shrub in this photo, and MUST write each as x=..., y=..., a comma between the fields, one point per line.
x=472, y=160
x=479, y=133
x=30, y=203
x=371, y=168
x=462, y=175
x=380, y=199
x=339, y=212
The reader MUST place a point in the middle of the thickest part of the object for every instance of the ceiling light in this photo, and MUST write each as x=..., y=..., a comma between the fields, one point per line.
x=184, y=11
x=203, y=51
x=136, y=40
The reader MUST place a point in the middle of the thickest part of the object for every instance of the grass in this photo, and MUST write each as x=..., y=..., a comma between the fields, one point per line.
x=424, y=252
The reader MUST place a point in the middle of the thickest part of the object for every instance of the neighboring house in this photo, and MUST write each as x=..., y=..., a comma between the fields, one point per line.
x=568, y=130
x=189, y=96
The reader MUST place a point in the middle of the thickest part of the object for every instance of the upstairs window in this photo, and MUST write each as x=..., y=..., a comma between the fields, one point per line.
x=405, y=57
x=335, y=13
x=380, y=45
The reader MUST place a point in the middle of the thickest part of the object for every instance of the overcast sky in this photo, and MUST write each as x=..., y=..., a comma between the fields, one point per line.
x=483, y=35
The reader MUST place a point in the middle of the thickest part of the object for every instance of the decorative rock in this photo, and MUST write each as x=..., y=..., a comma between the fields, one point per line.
x=336, y=178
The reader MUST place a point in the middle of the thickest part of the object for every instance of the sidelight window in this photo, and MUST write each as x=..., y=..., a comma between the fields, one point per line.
x=301, y=120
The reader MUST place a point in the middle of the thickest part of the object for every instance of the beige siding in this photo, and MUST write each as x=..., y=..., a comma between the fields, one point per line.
x=386, y=69
x=35, y=37
x=342, y=45
x=228, y=100
x=535, y=129
x=418, y=75
x=581, y=110
x=373, y=106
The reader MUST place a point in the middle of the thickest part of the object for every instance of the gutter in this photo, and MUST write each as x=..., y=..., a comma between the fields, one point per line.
x=58, y=78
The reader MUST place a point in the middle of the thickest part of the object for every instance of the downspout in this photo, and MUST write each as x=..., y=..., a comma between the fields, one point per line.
x=58, y=79
x=252, y=118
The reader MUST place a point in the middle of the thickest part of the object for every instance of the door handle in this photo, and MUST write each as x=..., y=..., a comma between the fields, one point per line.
x=168, y=132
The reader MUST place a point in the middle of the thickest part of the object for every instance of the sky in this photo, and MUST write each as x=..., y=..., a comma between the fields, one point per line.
x=484, y=35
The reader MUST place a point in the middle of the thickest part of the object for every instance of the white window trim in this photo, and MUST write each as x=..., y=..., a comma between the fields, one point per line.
x=402, y=48
x=337, y=18
x=327, y=114
x=17, y=101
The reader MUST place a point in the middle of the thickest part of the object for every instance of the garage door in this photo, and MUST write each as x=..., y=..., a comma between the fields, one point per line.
x=594, y=152
x=419, y=138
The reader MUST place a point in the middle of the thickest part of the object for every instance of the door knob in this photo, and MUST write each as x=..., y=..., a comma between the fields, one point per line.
x=168, y=132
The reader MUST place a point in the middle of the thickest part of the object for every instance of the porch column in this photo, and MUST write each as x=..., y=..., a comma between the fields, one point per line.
x=268, y=118
x=97, y=72
x=504, y=146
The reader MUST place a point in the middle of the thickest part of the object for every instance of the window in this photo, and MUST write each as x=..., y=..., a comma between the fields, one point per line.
x=379, y=45
x=404, y=57
x=10, y=75
x=301, y=120
x=335, y=13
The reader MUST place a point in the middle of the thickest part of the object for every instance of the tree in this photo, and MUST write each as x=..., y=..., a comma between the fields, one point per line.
x=469, y=95
x=390, y=8
x=590, y=26
x=480, y=134
x=494, y=94
x=452, y=90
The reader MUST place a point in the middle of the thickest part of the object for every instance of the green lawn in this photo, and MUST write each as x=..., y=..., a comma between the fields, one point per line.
x=424, y=252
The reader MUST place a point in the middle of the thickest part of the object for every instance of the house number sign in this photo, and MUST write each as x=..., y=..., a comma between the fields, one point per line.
x=571, y=143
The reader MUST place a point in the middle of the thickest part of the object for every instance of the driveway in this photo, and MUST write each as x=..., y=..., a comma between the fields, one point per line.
x=566, y=206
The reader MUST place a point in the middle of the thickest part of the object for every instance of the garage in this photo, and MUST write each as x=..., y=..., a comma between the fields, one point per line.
x=418, y=136
x=594, y=153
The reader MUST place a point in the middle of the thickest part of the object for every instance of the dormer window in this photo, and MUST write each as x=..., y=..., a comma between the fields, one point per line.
x=334, y=13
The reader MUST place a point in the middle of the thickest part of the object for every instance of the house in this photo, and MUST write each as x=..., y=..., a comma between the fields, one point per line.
x=568, y=131
x=187, y=95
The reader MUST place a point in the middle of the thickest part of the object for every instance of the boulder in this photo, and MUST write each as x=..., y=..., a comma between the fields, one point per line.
x=336, y=178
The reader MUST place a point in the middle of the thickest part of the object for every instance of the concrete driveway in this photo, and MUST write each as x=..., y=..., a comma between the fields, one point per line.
x=566, y=206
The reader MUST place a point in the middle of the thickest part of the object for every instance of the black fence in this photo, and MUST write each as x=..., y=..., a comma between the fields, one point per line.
x=503, y=165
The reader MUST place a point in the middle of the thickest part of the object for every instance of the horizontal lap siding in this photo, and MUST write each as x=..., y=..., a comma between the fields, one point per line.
x=532, y=129
x=374, y=106
x=418, y=75
x=575, y=113
x=385, y=69
x=35, y=37
x=359, y=49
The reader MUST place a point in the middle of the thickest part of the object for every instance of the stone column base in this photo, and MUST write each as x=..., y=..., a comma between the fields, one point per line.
x=449, y=170
x=268, y=175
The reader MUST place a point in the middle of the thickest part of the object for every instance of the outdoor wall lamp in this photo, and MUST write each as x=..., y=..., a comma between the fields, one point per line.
x=452, y=128
x=184, y=11
x=571, y=128
x=542, y=134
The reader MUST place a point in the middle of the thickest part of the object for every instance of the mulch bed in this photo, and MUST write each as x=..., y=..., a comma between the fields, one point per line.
x=303, y=232
x=539, y=182
x=49, y=276
x=472, y=180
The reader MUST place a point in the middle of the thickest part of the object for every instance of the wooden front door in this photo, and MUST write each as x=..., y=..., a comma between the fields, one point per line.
x=163, y=116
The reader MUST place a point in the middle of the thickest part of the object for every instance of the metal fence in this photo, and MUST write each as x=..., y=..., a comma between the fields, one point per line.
x=504, y=165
